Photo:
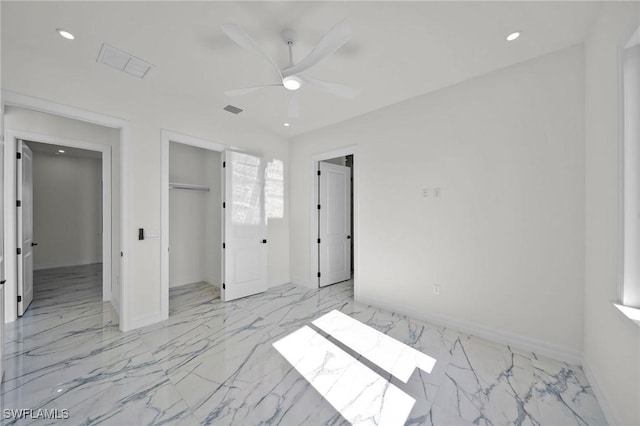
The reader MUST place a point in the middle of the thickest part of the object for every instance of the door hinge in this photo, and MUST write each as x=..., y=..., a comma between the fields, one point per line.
x=121, y=254
x=18, y=155
x=19, y=251
x=318, y=240
x=319, y=172
x=224, y=245
x=3, y=281
x=318, y=206
x=224, y=164
x=224, y=205
x=224, y=286
x=19, y=299
x=18, y=203
x=319, y=274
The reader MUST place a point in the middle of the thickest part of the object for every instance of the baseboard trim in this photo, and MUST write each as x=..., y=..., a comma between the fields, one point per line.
x=213, y=282
x=52, y=265
x=605, y=405
x=115, y=306
x=303, y=283
x=145, y=320
x=559, y=352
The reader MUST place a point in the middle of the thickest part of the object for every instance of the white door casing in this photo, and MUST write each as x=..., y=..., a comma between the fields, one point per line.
x=334, y=223
x=25, y=227
x=244, y=251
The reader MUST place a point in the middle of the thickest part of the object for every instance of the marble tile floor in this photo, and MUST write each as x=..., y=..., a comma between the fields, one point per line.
x=214, y=363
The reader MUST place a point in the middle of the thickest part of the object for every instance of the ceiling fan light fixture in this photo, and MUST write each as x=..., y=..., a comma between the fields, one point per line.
x=291, y=82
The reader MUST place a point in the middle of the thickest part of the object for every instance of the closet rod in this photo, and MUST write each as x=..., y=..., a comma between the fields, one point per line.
x=188, y=187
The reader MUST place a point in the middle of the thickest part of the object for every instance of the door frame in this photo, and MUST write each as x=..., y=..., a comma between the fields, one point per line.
x=14, y=135
x=166, y=137
x=9, y=98
x=313, y=211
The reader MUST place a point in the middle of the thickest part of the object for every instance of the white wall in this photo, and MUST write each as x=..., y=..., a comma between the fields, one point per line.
x=66, y=210
x=148, y=110
x=194, y=216
x=611, y=341
x=506, y=239
x=52, y=125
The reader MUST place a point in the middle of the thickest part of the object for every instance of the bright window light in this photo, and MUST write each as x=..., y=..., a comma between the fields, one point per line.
x=352, y=388
x=274, y=189
x=386, y=352
x=246, y=183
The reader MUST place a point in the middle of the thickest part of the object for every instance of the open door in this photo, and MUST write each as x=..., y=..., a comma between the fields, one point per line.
x=244, y=251
x=334, y=223
x=25, y=227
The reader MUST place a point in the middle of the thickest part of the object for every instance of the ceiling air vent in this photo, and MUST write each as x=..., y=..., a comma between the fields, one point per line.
x=232, y=109
x=123, y=61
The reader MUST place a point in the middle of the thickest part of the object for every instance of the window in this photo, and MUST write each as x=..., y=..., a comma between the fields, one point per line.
x=630, y=296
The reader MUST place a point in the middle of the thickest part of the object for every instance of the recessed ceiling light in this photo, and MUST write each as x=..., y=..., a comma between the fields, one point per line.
x=286, y=124
x=66, y=34
x=513, y=36
x=61, y=151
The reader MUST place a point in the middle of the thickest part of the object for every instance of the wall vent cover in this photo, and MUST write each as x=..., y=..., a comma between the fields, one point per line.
x=232, y=109
x=123, y=61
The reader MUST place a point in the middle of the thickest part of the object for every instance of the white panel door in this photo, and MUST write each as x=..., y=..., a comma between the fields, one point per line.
x=334, y=233
x=245, y=226
x=2, y=262
x=25, y=228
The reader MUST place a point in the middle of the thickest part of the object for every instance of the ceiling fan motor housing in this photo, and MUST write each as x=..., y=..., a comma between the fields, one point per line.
x=289, y=36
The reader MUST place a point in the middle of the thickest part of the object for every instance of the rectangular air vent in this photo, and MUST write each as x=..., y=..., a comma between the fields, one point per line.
x=232, y=109
x=123, y=61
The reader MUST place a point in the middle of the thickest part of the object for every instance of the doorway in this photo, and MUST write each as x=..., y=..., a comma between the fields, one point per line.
x=242, y=211
x=195, y=241
x=63, y=210
x=333, y=225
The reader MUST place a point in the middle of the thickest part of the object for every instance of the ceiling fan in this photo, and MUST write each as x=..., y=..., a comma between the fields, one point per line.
x=292, y=77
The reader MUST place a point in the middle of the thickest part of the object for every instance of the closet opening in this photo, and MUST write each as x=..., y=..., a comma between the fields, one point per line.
x=195, y=225
x=191, y=221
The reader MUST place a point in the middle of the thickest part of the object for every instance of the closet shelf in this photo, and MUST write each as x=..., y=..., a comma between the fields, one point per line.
x=188, y=186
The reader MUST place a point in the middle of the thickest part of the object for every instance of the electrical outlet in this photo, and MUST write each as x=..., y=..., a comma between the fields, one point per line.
x=425, y=192
x=436, y=289
x=436, y=192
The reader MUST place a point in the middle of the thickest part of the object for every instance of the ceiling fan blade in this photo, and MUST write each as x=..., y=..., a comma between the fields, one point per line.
x=243, y=39
x=329, y=43
x=247, y=90
x=329, y=87
x=294, y=105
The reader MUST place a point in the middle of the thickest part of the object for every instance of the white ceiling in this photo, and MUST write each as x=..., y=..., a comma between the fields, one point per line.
x=49, y=149
x=399, y=49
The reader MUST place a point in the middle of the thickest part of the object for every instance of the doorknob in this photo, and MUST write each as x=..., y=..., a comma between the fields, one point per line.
x=34, y=244
x=348, y=237
x=264, y=241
